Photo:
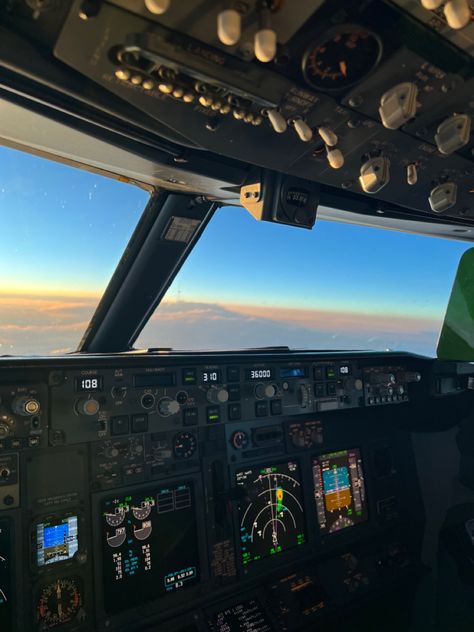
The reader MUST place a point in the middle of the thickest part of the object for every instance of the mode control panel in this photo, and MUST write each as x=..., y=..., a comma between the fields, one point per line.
x=118, y=404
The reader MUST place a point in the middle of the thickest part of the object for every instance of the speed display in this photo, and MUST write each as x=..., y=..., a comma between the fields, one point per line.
x=271, y=514
x=339, y=490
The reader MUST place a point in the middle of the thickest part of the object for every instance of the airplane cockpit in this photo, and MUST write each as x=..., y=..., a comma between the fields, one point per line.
x=236, y=315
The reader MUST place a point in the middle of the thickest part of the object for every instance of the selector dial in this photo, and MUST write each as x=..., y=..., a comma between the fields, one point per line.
x=184, y=445
x=217, y=395
x=87, y=406
x=265, y=391
x=25, y=406
x=168, y=406
x=239, y=440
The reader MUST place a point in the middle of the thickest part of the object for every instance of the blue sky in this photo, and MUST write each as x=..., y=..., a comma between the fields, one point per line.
x=63, y=232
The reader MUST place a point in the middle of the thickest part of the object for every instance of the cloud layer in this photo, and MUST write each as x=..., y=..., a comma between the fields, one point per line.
x=55, y=324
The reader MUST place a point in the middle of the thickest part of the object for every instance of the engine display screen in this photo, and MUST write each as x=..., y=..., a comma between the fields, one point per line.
x=247, y=616
x=271, y=513
x=6, y=582
x=56, y=540
x=339, y=490
x=149, y=545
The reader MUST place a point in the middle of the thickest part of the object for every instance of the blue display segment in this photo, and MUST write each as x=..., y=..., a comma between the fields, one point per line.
x=292, y=372
x=336, y=479
x=56, y=540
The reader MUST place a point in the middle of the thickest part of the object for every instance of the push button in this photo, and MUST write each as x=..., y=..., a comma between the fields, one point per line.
x=119, y=425
x=233, y=374
x=234, y=392
x=189, y=376
x=319, y=390
x=213, y=415
x=139, y=423
x=190, y=416
x=234, y=412
x=318, y=373
x=275, y=407
x=331, y=388
x=261, y=409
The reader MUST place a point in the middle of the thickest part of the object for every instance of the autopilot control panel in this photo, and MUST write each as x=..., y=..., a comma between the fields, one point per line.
x=230, y=493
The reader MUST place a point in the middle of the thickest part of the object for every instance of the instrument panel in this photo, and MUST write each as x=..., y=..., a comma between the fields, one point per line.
x=207, y=493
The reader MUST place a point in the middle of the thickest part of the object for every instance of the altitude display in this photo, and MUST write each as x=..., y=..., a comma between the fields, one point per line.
x=6, y=610
x=339, y=490
x=149, y=545
x=56, y=540
x=271, y=514
x=247, y=616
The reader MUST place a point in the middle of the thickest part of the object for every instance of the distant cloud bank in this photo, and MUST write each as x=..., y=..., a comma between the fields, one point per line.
x=55, y=324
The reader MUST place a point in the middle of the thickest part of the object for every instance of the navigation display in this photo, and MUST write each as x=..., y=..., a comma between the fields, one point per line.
x=247, y=616
x=271, y=514
x=339, y=490
x=6, y=611
x=149, y=545
x=56, y=540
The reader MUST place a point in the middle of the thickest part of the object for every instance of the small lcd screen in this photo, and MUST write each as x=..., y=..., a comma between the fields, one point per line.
x=271, y=514
x=247, y=616
x=6, y=580
x=259, y=374
x=339, y=490
x=154, y=379
x=211, y=377
x=89, y=384
x=292, y=372
x=149, y=545
x=56, y=540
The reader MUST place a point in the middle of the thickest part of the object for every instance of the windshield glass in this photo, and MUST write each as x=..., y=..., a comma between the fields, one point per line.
x=63, y=232
x=340, y=286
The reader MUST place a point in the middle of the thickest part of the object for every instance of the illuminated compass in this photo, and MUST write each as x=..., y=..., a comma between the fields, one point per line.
x=341, y=58
x=59, y=603
x=271, y=515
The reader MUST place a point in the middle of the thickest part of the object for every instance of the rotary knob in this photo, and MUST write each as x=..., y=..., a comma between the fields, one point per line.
x=4, y=430
x=265, y=391
x=217, y=395
x=87, y=406
x=25, y=406
x=168, y=407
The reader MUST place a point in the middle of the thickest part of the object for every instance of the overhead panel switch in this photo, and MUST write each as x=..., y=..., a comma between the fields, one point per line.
x=398, y=105
x=453, y=133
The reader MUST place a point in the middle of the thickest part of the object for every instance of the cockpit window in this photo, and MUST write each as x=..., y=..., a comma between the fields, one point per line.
x=339, y=286
x=63, y=231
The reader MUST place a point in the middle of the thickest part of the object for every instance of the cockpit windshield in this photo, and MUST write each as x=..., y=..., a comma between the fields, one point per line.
x=63, y=232
x=340, y=286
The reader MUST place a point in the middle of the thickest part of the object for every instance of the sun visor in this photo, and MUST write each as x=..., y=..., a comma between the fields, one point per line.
x=456, y=341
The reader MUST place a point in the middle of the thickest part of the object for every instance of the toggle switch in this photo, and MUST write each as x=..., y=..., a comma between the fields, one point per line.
x=453, y=133
x=157, y=7
x=265, y=45
x=303, y=130
x=431, y=5
x=335, y=157
x=457, y=13
x=328, y=136
x=412, y=174
x=229, y=26
x=398, y=105
x=374, y=174
x=277, y=121
x=443, y=197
